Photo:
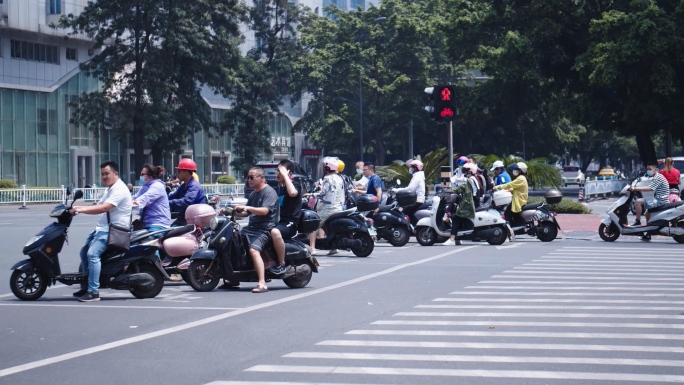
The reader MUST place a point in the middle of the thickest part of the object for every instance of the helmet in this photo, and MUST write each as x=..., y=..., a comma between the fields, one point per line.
x=519, y=166
x=461, y=160
x=480, y=167
x=340, y=165
x=331, y=163
x=472, y=167
x=496, y=165
x=187, y=164
x=414, y=162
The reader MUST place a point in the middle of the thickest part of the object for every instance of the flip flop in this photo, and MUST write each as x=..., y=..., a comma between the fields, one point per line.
x=260, y=289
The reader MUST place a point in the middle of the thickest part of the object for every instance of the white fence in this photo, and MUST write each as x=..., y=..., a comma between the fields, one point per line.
x=593, y=188
x=51, y=195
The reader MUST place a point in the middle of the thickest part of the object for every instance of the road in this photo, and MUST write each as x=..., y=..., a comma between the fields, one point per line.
x=564, y=312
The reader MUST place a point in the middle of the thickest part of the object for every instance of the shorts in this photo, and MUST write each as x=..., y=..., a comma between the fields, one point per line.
x=287, y=229
x=651, y=203
x=257, y=239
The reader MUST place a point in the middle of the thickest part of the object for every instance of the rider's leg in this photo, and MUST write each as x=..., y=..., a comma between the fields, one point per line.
x=639, y=208
x=278, y=244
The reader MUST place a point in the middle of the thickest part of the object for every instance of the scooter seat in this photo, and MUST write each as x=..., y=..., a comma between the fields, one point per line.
x=424, y=206
x=385, y=208
x=666, y=206
x=532, y=206
x=341, y=214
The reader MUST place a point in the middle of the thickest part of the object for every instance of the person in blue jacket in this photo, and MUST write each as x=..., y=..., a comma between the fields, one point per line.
x=501, y=176
x=188, y=193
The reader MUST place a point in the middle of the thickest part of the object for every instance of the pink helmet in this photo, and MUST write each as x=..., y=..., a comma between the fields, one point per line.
x=472, y=167
x=415, y=162
x=331, y=163
x=461, y=160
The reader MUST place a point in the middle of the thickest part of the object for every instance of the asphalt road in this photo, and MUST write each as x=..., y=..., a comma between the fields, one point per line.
x=564, y=312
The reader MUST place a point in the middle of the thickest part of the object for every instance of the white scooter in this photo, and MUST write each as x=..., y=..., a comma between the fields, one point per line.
x=487, y=224
x=665, y=220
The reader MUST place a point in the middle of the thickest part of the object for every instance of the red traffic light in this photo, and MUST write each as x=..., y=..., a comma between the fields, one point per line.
x=446, y=112
x=445, y=94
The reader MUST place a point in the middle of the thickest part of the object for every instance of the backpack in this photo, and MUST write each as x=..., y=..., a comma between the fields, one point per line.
x=348, y=188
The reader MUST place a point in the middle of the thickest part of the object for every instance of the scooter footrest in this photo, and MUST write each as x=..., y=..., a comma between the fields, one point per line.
x=75, y=277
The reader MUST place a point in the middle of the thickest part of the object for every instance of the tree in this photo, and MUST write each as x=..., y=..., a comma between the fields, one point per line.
x=539, y=172
x=155, y=57
x=266, y=77
x=389, y=50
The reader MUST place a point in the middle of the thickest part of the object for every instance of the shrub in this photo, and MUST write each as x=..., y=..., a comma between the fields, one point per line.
x=226, y=179
x=566, y=206
x=6, y=183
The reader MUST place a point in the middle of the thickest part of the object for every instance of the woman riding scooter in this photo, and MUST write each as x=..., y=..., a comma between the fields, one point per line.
x=466, y=209
x=518, y=188
x=417, y=184
x=330, y=199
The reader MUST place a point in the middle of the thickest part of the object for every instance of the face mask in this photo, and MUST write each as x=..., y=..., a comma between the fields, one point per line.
x=649, y=173
x=359, y=171
x=142, y=180
x=410, y=171
x=516, y=172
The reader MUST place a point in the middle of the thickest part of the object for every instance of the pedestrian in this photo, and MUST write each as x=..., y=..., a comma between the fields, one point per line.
x=672, y=176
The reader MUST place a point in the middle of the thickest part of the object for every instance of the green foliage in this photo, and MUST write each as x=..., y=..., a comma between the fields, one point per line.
x=226, y=179
x=539, y=172
x=6, y=183
x=566, y=206
x=432, y=163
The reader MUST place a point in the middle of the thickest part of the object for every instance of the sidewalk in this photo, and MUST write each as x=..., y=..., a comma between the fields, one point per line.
x=579, y=225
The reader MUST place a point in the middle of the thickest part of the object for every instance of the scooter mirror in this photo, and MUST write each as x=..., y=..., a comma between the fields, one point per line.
x=68, y=191
x=78, y=194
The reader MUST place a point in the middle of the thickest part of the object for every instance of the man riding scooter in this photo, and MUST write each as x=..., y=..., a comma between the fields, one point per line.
x=661, y=190
x=189, y=193
x=417, y=185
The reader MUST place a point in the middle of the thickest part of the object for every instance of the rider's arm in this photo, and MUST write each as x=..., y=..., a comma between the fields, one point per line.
x=191, y=191
x=153, y=193
x=98, y=209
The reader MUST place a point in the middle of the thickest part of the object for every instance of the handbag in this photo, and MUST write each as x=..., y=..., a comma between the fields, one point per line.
x=119, y=237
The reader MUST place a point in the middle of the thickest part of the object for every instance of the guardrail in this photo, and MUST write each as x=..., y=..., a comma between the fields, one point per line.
x=51, y=195
x=602, y=187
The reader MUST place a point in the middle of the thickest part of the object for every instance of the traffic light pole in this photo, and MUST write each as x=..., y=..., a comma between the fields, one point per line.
x=451, y=146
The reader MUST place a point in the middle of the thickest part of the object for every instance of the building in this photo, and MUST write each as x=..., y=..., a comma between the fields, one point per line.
x=39, y=77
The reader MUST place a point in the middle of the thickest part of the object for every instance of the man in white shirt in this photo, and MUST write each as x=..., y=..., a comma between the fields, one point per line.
x=117, y=202
x=361, y=183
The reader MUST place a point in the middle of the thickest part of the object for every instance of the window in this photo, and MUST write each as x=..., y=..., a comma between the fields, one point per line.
x=71, y=54
x=54, y=7
x=34, y=51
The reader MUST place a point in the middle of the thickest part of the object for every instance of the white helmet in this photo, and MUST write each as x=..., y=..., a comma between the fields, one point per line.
x=472, y=167
x=331, y=163
x=496, y=165
x=414, y=162
x=519, y=166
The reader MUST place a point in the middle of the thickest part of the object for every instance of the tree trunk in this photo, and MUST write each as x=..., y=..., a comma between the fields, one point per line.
x=138, y=145
x=157, y=153
x=646, y=148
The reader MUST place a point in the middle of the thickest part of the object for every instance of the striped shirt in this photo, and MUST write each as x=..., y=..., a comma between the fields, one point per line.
x=661, y=188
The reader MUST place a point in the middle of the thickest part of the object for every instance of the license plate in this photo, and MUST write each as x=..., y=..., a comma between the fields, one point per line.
x=372, y=232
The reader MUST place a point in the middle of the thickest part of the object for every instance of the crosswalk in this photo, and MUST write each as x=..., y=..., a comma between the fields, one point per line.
x=575, y=315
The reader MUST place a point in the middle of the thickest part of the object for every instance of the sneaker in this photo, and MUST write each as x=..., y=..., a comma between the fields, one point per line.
x=277, y=269
x=333, y=252
x=449, y=242
x=314, y=252
x=175, y=278
x=636, y=223
x=90, y=297
x=645, y=237
x=80, y=293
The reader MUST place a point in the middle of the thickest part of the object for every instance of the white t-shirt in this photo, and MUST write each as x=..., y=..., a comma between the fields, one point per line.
x=361, y=183
x=119, y=196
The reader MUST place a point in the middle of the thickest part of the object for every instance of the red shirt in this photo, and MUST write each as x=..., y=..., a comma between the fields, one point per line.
x=672, y=176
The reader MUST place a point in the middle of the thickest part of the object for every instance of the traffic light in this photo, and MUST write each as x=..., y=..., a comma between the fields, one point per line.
x=444, y=102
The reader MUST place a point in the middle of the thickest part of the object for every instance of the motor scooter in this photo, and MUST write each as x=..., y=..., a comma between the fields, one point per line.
x=487, y=224
x=535, y=219
x=390, y=222
x=666, y=220
x=226, y=256
x=137, y=270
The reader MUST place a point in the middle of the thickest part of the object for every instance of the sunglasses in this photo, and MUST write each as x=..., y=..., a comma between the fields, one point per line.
x=252, y=177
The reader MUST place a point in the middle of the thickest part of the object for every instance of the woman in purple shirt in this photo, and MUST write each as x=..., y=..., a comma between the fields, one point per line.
x=152, y=199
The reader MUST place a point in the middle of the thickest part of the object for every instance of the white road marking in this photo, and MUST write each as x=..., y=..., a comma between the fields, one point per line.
x=586, y=264
x=509, y=246
x=276, y=383
x=602, y=262
x=546, y=276
x=545, y=271
x=619, y=257
x=219, y=317
x=89, y=306
x=533, y=324
x=561, y=307
x=574, y=288
x=648, y=378
x=451, y=333
x=479, y=359
x=555, y=282
x=611, y=271
x=537, y=315
x=514, y=346
x=558, y=300
x=649, y=250
x=583, y=294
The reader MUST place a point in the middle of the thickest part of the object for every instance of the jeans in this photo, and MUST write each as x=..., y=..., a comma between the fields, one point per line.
x=94, y=246
x=156, y=228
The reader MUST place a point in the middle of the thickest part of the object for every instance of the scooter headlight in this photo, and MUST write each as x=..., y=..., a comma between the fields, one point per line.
x=216, y=223
x=33, y=240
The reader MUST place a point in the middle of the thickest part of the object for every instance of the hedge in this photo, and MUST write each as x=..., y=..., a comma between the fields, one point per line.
x=566, y=206
x=226, y=179
x=6, y=183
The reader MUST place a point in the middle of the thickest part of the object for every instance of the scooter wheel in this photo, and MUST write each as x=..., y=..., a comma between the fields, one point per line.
x=400, y=236
x=678, y=238
x=426, y=236
x=367, y=245
x=149, y=291
x=28, y=286
x=302, y=277
x=203, y=275
x=547, y=231
x=609, y=233
x=498, y=238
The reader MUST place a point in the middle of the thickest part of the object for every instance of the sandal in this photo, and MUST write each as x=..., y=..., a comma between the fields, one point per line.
x=260, y=289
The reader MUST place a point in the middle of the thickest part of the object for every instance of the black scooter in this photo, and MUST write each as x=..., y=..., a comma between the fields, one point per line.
x=138, y=270
x=226, y=257
x=390, y=222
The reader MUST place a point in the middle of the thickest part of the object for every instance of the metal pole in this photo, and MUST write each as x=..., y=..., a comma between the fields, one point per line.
x=451, y=147
x=411, y=139
x=360, y=120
